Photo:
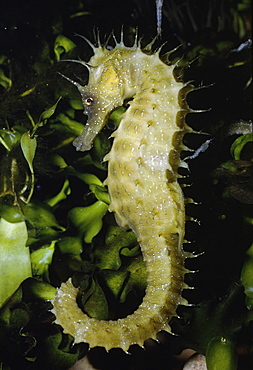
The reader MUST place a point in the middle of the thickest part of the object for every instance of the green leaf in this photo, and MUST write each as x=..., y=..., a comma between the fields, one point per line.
x=71, y=244
x=41, y=216
x=11, y=213
x=5, y=81
x=247, y=273
x=63, y=194
x=108, y=255
x=89, y=178
x=8, y=138
x=100, y=193
x=116, y=115
x=36, y=289
x=115, y=280
x=79, y=14
x=28, y=146
x=76, y=104
x=6, y=310
x=19, y=318
x=101, y=146
x=66, y=124
x=15, y=263
x=131, y=252
x=219, y=318
x=62, y=45
x=51, y=357
x=88, y=220
x=221, y=353
x=230, y=166
x=49, y=112
x=238, y=145
x=43, y=223
x=43, y=118
x=137, y=277
x=57, y=160
x=96, y=305
x=42, y=258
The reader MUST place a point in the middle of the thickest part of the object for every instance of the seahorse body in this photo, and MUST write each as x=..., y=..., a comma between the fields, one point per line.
x=143, y=187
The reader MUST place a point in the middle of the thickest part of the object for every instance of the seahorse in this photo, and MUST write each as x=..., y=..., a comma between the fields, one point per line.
x=142, y=181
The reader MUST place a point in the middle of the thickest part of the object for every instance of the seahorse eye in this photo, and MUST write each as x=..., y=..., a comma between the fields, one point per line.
x=88, y=101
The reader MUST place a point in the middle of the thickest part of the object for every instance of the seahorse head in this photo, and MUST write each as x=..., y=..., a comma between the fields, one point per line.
x=103, y=93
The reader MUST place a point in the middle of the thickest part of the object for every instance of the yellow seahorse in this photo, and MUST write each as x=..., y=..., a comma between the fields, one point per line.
x=142, y=182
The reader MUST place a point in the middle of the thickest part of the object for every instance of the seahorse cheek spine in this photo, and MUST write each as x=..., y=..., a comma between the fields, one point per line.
x=142, y=183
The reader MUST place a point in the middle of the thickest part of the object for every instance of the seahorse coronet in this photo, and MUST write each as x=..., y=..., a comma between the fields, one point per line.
x=142, y=183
